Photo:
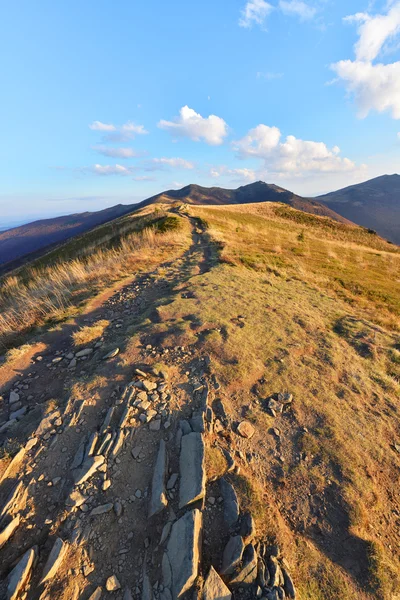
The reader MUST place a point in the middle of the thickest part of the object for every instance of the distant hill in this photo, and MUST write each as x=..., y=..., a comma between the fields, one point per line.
x=31, y=239
x=374, y=204
x=246, y=194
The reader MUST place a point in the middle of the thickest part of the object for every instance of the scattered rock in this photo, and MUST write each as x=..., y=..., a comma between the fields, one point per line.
x=96, y=594
x=215, y=588
x=112, y=584
x=102, y=509
x=20, y=574
x=231, y=503
x=245, y=429
x=84, y=352
x=9, y=530
x=181, y=559
x=89, y=467
x=111, y=354
x=232, y=555
x=158, y=497
x=192, y=471
x=55, y=559
x=14, y=397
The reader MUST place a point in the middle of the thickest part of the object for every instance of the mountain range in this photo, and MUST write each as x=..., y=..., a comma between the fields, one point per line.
x=373, y=204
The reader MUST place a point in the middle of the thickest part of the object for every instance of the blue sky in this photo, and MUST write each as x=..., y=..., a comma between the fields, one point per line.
x=106, y=102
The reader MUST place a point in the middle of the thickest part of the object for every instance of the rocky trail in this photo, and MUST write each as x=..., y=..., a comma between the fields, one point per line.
x=107, y=494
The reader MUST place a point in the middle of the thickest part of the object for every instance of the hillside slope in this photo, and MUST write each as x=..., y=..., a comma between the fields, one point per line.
x=374, y=204
x=251, y=193
x=32, y=238
x=219, y=389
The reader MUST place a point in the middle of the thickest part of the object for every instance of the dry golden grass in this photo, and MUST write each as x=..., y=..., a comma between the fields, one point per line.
x=50, y=292
x=89, y=333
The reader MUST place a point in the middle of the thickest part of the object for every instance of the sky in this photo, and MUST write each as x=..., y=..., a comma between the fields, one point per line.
x=111, y=102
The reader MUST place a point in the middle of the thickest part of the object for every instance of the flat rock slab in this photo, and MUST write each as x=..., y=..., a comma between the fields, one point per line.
x=248, y=571
x=55, y=559
x=192, y=469
x=232, y=555
x=12, y=499
x=158, y=499
x=231, y=502
x=181, y=559
x=96, y=594
x=75, y=499
x=8, y=531
x=89, y=467
x=20, y=574
x=245, y=429
x=214, y=588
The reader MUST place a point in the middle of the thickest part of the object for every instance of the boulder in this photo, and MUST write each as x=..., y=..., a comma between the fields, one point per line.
x=112, y=584
x=158, y=499
x=214, y=588
x=181, y=559
x=20, y=574
x=192, y=469
x=247, y=573
x=11, y=500
x=55, y=559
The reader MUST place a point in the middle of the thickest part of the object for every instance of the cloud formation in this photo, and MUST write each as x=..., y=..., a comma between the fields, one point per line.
x=254, y=13
x=211, y=129
x=110, y=169
x=297, y=8
x=373, y=86
x=115, y=152
x=237, y=174
x=292, y=156
x=176, y=163
x=121, y=133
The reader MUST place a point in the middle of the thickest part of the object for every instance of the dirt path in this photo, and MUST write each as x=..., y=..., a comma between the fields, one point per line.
x=69, y=405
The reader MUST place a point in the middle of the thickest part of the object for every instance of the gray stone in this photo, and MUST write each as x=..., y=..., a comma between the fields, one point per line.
x=127, y=594
x=231, y=503
x=192, y=470
x=75, y=499
x=247, y=527
x=84, y=352
x=54, y=560
x=185, y=427
x=111, y=354
x=183, y=553
x=91, y=445
x=288, y=584
x=245, y=429
x=232, y=555
x=147, y=592
x=172, y=481
x=116, y=449
x=197, y=422
x=79, y=455
x=248, y=570
x=11, y=500
x=214, y=588
x=14, y=397
x=165, y=532
x=96, y=594
x=20, y=574
x=112, y=584
x=18, y=414
x=148, y=385
x=102, y=509
x=8, y=531
x=89, y=467
x=158, y=496
x=8, y=425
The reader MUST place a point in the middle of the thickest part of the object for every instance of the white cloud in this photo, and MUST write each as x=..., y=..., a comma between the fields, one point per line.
x=238, y=174
x=269, y=75
x=176, y=163
x=293, y=156
x=121, y=133
x=258, y=142
x=111, y=170
x=99, y=126
x=190, y=124
x=115, y=152
x=375, y=31
x=297, y=8
x=143, y=178
x=255, y=12
x=398, y=135
x=375, y=87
